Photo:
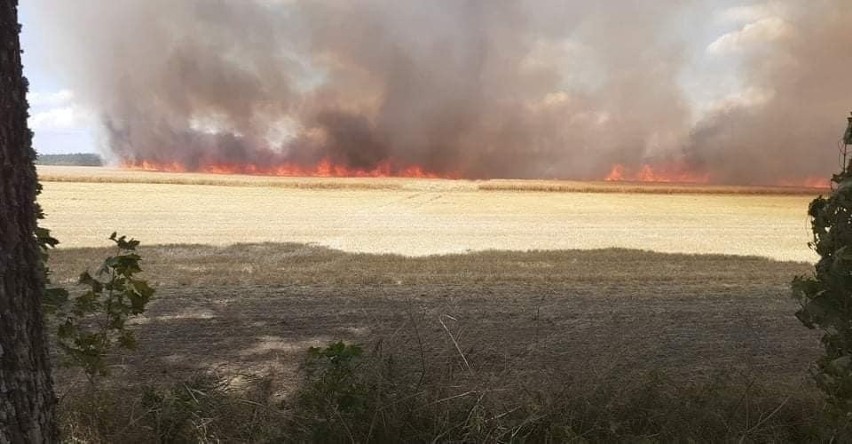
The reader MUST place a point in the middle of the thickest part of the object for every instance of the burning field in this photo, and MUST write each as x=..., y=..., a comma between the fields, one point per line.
x=474, y=90
x=510, y=195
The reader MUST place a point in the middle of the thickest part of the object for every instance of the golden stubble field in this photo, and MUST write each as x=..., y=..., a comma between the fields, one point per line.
x=687, y=281
x=418, y=218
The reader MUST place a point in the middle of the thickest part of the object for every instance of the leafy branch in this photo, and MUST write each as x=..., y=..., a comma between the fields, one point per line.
x=92, y=322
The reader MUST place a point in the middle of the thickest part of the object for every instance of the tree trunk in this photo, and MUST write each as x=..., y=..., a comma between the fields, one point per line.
x=26, y=394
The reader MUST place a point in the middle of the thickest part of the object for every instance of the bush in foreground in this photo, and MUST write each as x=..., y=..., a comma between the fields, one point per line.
x=348, y=395
x=826, y=296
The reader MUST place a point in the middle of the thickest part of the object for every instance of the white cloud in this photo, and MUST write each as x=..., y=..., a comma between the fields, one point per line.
x=57, y=119
x=765, y=30
x=55, y=99
x=57, y=112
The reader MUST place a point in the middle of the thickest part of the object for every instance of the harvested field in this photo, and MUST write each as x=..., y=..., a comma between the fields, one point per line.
x=418, y=217
x=252, y=308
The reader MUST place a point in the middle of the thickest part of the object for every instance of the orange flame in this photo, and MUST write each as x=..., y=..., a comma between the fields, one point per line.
x=674, y=173
x=659, y=174
x=145, y=165
x=325, y=168
x=667, y=173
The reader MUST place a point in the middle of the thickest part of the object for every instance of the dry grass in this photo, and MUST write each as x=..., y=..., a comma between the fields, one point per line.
x=250, y=305
x=387, y=399
x=426, y=217
x=565, y=339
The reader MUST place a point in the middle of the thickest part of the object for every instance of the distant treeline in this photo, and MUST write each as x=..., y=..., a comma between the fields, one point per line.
x=77, y=159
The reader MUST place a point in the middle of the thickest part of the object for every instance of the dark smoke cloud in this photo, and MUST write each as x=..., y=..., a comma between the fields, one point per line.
x=484, y=88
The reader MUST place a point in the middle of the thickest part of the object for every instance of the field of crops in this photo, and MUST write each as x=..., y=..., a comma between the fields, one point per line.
x=424, y=217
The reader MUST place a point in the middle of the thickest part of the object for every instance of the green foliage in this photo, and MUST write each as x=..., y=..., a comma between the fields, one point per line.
x=54, y=297
x=826, y=296
x=183, y=412
x=92, y=322
x=335, y=392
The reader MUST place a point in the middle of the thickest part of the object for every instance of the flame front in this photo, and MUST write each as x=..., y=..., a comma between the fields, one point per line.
x=677, y=173
x=660, y=174
x=325, y=168
x=664, y=173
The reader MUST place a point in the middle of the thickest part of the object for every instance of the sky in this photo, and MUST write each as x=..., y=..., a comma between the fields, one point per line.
x=59, y=123
x=711, y=31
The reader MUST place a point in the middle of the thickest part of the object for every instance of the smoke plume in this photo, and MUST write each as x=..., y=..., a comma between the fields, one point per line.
x=470, y=88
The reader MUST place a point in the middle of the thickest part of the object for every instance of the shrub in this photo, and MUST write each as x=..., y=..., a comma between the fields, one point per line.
x=349, y=395
x=92, y=322
x=826, y=295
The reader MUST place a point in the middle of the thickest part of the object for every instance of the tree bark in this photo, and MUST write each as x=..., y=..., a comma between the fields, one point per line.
x=27, y=402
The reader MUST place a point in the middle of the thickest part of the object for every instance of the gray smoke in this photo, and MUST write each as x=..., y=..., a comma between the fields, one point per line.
x=805, y=94
x=480, y=88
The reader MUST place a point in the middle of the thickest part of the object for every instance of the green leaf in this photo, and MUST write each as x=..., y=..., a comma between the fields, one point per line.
x=54, y=298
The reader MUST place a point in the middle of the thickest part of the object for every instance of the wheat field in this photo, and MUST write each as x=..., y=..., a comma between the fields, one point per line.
x=422, y=217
